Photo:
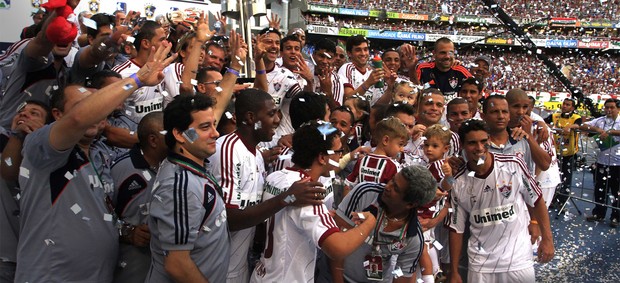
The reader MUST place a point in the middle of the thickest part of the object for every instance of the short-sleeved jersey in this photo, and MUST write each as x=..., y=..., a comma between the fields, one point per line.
x=373, y=168
x=187, y=213
x=77, y=73
x=133, y=179
x=9, y=211
x=354, y=78
x=283, y=86
x=367, y=197
x=292, y=235
x=610, y=156
x=145, y=99
x=337, y=87
x=495, y=206
x=432, y=209
x=241, y=173
x=519, y=148
x=28, y=79
x=172, y=81
x=449, y=82
x=455, y=145
x=413, y=154
x=63, y=210
x=9, y=58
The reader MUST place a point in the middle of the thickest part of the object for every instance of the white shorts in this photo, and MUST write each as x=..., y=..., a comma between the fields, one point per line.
x=520, y=276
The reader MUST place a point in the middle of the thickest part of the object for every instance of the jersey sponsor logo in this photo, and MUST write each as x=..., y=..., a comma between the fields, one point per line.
x=494, y=215
x=145, y=107
x=273, y=190
x=370, y=171
x=505, y=190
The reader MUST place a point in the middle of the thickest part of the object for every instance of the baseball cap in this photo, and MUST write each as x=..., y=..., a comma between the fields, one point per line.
x=483, y=58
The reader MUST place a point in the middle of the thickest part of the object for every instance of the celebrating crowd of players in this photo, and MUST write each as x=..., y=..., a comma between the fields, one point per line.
x=128, y=161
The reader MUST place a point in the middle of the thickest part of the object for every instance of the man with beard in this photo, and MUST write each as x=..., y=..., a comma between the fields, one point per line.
x=39, y=69
x=442, y=74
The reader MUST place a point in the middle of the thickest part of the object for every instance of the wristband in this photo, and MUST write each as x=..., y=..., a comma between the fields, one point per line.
x=534, y=222
x=136, y=80
x=364, y=88
x=261, y=72
x=233, y=71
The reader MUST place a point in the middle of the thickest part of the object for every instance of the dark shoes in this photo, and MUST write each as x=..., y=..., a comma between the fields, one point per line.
x=614, y=223
x=595, y=218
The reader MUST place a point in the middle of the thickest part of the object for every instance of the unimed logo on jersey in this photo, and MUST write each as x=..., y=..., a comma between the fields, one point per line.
x=370, y=171
x=494, y=215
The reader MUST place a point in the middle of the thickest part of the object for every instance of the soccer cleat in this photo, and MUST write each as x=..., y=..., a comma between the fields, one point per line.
x=614, y=223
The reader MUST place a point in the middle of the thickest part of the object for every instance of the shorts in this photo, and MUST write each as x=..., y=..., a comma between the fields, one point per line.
x=520, y=276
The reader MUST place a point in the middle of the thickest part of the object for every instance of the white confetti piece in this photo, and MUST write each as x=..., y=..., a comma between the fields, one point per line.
x=130, y=39
x=194, y=82
x=302, y=99
x=131, y=133
x=49, y=242
x=397, y=272
x=107, y=217
x=85, y=218
x=228, y=115
x=480, y=161
x=218, y=89
x=163, y=132
x=8, y=162
x=89, y=23
x=24, y=172
x=127, y=87
x=366, y=263
x=332, y=174
x=361, y=216
x=82, y=90
x=146, y=175
x=290, y=199
x=206, y=229
x=76, y=208
x=330, y=152
x=164, y=93
x=437, y=245
x=471, y=174
x=285, y=156
x=68, y=175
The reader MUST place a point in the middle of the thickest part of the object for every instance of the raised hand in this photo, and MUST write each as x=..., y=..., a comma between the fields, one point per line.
x=238, y=50
x=203, y=33
x=274, y=21
x=152, y=72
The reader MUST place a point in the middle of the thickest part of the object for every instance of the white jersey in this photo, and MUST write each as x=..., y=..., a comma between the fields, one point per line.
x=145, y=99
x=241, y=173
x=549, y=178
x=337, y=87
x=495, y=206
x=293, y=235
x=283, y=86
x=354, y=78
x=172, y=81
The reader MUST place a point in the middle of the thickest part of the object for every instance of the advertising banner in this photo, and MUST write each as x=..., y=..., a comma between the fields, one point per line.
x=593, y=44
x=562, y=43
x=322, y=30
x=500, y=41
x=353, y=12
x=564, y=22
x=323, y=9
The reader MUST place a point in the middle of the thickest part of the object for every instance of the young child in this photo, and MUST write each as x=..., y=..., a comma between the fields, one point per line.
x=360, y=107
x=390, y=136
x=436, y=144
x=406, y=92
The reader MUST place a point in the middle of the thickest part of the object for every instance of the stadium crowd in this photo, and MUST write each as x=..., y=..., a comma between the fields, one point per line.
x=132, y=152
x=581, y=9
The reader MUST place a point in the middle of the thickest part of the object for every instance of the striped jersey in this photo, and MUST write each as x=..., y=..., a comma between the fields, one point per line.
x=373, y=168
x=432, y=209
x=241, y=172
x=9, y=210
x=145, y=99
x=282, y=86
x=292, y=235
x=337, y=87
x=172, y=81
x=495, y=206
x=354, y=78
x=406, y=246
x=449, y=82
x=187, y=213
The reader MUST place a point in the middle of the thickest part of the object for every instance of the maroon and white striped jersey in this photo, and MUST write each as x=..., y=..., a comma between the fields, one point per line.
x=145, y=99
x=172, y=81
x=373, y=168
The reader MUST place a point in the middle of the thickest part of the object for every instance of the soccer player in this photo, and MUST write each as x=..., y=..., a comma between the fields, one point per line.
x=491, y=192
x=134, y=176
x=326, y=80
x=293, y=234
x=145, y=99
x=471, y=90
x=72, y=212
x=357, y=76
x=457, y=112
x=442, y=72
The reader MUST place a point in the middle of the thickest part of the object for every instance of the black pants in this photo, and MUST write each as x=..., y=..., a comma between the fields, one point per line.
x=606, y=180
x=567, y=163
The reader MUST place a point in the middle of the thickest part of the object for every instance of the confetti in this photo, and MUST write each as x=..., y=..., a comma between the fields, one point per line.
x=206, y=229
x=194, y=82
x=258, y=125
x=82, y=90
x=228, y=115
x=361, y=216
x=127, y=87
x=302, y=99
x=24, y=172
x=333, y=163
x=49, y=242
x=89, y=23
x=218, y=89
x=330, y=152
x=76, y=208
x=68, y=176
x=146, y=175
x=163, y=132
x=290, y=199
x=107, y=217
x=8, y=162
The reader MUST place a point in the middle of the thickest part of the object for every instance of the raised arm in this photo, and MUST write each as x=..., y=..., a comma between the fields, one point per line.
x=70, y=128
x=238, y=53
x=203, y=34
